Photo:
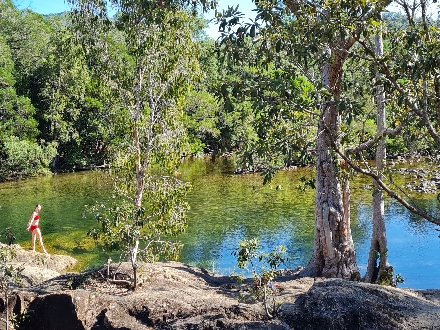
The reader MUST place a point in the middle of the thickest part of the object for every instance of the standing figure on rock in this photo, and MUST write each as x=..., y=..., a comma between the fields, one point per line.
x=33, y=227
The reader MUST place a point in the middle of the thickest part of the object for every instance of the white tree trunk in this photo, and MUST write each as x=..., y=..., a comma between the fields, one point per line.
x=7, y=307
x=378, y=246
x=140, y=183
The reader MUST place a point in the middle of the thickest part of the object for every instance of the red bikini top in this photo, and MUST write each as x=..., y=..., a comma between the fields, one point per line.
x=37, y=217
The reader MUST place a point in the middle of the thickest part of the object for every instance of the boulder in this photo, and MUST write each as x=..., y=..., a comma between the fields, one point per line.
x=39, y=267
x=340, y=304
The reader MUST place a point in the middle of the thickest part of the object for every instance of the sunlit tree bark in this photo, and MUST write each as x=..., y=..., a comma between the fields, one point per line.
x=378, y=245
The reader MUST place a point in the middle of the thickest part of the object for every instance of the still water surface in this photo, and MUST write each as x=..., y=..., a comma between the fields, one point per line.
x=224, y=210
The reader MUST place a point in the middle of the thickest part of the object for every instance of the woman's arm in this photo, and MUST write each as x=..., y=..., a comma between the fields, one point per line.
x=31, y=220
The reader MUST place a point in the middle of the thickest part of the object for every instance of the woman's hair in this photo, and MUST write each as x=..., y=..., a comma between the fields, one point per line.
x=36, y=206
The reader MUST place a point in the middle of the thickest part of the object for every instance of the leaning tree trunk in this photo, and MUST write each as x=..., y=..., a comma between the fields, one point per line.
x=333, y=254
x=378, y=246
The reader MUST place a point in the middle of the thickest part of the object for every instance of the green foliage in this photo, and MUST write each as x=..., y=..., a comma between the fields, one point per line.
x=8, y=235
x=396, y=145
x=27, y=33
x=162, y=216
x=18, y=319
x=201, y=121
x=54, y=90
x=7, y=65
x=388, y=279
x=263, y=267
x=411, y=70
x=269, y=94
x=306, y=183
x=21, y=158
x=44, y=65
x=76, y=109
x=16, y=112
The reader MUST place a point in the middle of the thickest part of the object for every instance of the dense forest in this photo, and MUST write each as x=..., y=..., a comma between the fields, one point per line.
x=330, y=83
x=57, y=114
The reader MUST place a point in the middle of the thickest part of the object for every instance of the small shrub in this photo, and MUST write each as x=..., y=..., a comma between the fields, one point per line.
x=263, y=267
x=8, y=235
x=388, y=279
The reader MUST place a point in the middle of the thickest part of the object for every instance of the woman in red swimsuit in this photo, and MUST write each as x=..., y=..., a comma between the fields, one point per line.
x=33, y=227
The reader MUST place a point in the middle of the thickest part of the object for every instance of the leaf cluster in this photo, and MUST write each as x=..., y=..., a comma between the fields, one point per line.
x=120, y=223
x=262, y=266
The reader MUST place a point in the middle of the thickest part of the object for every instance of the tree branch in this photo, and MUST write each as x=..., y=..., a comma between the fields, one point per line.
x=392, y=194
x=369, y=143
x=411, y=105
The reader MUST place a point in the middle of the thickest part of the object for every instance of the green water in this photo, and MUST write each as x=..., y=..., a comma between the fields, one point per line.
x=225, y=208
x=62, y=197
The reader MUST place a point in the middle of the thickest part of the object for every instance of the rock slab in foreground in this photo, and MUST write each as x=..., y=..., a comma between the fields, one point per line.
x=172, y=296
x=176, y=296
x=339, y=304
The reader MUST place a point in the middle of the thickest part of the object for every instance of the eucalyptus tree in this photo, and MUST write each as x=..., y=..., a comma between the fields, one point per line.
x=409, y=72
x=147, y=56
x=322, y=36
x=412, y=71
x=318, y=37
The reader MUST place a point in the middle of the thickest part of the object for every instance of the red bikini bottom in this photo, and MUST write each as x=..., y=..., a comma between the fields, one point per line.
x=33, y=228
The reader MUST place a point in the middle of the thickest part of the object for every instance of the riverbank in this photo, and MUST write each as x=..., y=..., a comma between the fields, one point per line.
x=177, y=296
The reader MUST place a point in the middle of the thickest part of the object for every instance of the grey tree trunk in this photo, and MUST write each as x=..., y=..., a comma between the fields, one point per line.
x=378, y=246
x=333, y=254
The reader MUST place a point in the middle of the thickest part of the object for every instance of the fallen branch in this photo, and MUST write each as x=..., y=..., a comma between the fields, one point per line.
x=125, y=282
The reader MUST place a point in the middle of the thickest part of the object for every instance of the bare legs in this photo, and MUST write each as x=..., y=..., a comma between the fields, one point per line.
x=37, y=233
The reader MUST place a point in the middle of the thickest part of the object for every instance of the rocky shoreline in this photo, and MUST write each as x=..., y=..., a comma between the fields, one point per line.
x=178, y=296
